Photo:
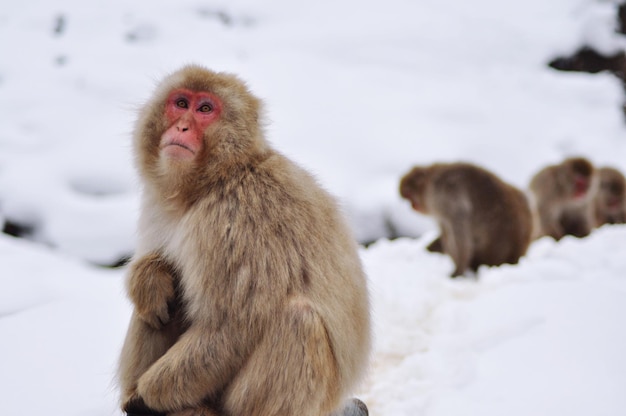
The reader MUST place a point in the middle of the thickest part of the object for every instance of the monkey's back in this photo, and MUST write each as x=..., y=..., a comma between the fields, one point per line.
x=331, y=272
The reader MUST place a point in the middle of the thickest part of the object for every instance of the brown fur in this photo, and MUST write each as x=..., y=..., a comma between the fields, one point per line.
x=610, y=200
x=482, y=219
x=268, y=305
x=556, y=211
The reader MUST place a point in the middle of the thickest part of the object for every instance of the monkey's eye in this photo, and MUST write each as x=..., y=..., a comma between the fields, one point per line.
x=205, y=108
x=181, y=103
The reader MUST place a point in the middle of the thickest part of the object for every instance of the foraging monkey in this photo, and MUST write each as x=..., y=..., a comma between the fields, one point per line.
x=482, y=219
x=248, y=291
x=610, y=199
x=562, y=199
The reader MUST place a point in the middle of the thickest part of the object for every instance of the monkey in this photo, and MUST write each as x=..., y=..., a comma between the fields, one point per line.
x=562, y=199
x=610, y=199
x=249, y=294
x=482, y=219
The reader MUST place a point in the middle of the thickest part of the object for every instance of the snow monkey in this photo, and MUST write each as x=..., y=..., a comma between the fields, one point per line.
x=248, y=291
x=482, y=219
x=562, y=199
x=610, y=199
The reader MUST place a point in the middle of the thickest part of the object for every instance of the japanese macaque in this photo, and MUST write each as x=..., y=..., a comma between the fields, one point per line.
x=248, y=291
x=610, y=199
x=562, y=199
x=483, y=220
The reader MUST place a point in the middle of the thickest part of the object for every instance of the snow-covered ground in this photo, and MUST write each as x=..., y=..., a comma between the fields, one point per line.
x=357, y=92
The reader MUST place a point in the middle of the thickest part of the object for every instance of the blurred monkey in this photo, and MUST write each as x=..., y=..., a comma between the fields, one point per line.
x=610, y=200
x=482, y=219
x=562, y=199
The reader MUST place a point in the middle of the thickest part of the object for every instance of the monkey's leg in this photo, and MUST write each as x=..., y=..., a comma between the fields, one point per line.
x=292, y=372
x=143, y=346
x=550, y=223
x=196, y=367
x=458, y=244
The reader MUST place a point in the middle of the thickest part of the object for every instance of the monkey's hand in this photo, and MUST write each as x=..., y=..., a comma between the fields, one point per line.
x=151, y=288
x=436, y=246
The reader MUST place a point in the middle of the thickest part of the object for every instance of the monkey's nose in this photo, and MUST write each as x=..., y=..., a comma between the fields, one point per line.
x=182, y=127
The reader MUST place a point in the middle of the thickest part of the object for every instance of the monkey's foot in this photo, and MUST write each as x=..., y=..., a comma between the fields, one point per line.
x=145, y=414
x=137, y=407
x=202, y=411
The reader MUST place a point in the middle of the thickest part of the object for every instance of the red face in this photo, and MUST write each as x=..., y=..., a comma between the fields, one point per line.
x=188, y=114
x=581, y=185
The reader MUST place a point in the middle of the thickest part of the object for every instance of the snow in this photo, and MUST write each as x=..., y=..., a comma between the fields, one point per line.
x=539, y=338
x=357, y=92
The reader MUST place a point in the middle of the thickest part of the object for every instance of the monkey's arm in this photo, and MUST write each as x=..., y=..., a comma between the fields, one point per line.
x=456, y=241
x=549, y=222
x=150, y=286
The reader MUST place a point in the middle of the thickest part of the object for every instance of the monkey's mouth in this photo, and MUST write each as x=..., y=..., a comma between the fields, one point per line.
x=581, y=187
x=176, y=146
